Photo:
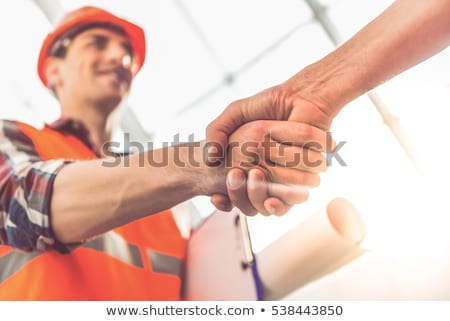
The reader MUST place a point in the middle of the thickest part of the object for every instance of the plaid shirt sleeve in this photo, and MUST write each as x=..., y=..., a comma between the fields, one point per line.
x=26, y=183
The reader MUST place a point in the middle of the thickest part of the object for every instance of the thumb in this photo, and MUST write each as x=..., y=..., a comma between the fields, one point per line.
x=312, y=114
x=304, y=111
x=259, y=106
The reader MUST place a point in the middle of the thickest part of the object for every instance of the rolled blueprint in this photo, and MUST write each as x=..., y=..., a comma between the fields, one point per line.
x=315, y=247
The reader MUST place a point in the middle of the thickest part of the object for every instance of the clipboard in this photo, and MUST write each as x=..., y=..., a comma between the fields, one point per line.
x=219, y=262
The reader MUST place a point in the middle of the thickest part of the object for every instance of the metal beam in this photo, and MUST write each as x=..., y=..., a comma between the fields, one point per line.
x=51, y=9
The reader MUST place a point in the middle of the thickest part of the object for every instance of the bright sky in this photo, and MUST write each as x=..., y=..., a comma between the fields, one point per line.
x=406, y=214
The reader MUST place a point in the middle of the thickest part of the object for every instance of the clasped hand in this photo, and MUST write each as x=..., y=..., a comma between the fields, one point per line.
x=276, y=144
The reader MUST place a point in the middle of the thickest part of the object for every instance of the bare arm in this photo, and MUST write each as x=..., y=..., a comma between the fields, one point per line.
x=405, y=34
x=92, y=197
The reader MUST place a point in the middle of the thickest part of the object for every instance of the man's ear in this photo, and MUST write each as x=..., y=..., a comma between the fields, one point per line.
x=52, y=71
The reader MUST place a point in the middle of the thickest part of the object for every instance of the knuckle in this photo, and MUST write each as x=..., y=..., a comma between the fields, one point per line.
x=305, y=130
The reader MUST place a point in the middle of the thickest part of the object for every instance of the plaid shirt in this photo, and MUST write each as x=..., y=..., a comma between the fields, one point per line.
x=26, y=184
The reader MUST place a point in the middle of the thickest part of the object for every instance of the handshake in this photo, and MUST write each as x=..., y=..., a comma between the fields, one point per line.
x=274, y=154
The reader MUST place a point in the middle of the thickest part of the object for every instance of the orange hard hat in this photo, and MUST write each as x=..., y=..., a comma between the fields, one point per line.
x=86, y=16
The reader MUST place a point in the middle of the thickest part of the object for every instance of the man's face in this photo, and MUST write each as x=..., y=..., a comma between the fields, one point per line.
x=97, y=67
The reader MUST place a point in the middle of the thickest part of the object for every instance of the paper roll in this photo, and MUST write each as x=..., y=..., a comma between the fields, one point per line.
x=317, y=246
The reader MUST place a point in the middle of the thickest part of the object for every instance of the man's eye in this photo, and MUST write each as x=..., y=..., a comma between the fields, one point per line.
x=129, y=50
x=99, y=44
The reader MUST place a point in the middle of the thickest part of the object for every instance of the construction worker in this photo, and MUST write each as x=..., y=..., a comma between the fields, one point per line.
x=78, y=223
x=405, y=34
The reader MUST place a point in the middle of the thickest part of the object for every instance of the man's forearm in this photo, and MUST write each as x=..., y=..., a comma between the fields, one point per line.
x=405, y=34
x=92, y=197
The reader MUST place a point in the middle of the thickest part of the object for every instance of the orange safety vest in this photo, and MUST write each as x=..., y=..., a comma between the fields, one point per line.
x=142, y=260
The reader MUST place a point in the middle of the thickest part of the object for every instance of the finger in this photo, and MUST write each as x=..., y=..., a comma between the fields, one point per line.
x=237, y=191
x=289, y=176
x=299, y=134
x=289, y=194
x=257, y=190
x=297, y=157
x=221, y=202
x=282, y=196
x=277, y=206
x=304, y=111
x=259, y=106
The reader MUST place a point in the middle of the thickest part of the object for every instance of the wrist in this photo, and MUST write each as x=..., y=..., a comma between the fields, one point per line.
x=318, y=85
x=335, y=80
x=205, y=179
x=302, y=100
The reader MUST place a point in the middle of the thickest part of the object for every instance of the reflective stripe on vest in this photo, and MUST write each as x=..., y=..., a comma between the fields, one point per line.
x=110, y=243
x=139, y=261
x=163, y=263
x=12, y=262
x=117, y=247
